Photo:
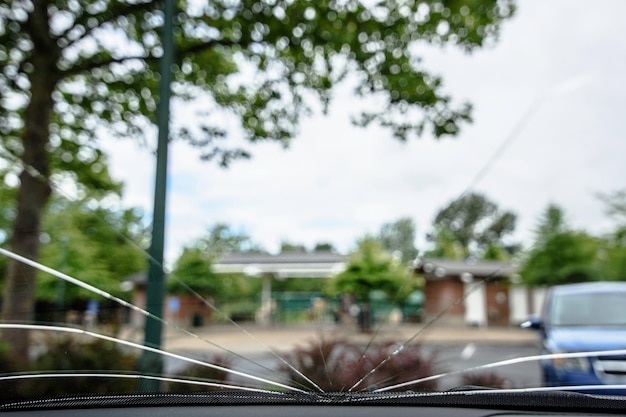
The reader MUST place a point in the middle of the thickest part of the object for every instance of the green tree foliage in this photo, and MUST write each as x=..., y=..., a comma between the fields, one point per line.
x=94, y=244
x=551, y=223
x=100, y=186
x=444, y=244
x=292, y=247
x=287, y=246
x=7, y=212
x=371, y=268
x=222, y=239
x=613, y=255
x=69, y=69
x=472, y=225
x=616, y=207
x=567, y=257
x=613, y=259
x=494, y=252
x=192, y=269
x=8, y=190
x=560, y=255
x=324, y=247
x=399, y=236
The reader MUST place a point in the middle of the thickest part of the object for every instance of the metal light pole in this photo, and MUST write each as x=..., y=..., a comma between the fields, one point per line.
x=150, y=362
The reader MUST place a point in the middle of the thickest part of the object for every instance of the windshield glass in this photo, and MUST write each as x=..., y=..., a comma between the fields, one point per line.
x=595, y=309
x=310, y=196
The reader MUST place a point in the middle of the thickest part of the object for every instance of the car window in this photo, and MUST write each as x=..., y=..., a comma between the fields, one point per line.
x=292, y=196
x=595, y=309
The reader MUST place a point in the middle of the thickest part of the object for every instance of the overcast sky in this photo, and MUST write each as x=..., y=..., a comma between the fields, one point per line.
x=562, y=63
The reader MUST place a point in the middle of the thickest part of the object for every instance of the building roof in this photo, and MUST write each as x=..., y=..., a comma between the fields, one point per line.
x=286, y=257
x=435, y=268
x=283, y=265
x=138, y=277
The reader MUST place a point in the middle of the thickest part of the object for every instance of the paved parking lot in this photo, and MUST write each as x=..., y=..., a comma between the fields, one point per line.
x=250, y=339
x=455, y=348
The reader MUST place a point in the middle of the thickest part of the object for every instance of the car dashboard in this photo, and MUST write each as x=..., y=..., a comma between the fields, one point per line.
x=467, y=403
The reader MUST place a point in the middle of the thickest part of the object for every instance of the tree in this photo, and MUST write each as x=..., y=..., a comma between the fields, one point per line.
x=444, y=244
x=222, y=239
x=562, y=255
x=287, y=246
x=69, y=69
x=613, y=259
x=551, y=223
x=97, y=245
x=399, y=236
x=616, y=207
x=324, y=247
x=7, y=212
x=559, y=254
x=565, y=258
x=472, y=225
x=291, y=247
x=613, y=253
x=370, y=268
x=192, y=269
x=86, y=177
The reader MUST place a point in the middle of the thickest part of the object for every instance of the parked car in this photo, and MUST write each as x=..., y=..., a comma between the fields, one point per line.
x=587, y=317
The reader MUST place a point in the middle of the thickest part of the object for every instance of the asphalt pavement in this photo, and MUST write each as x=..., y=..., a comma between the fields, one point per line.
x=455, y=347
x=254, y=339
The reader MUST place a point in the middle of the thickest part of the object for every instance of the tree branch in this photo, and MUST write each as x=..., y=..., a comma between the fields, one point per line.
x=108, y=15
x=180, y=52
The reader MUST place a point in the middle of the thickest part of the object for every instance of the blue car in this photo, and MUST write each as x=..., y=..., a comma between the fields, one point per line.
x=588, y=317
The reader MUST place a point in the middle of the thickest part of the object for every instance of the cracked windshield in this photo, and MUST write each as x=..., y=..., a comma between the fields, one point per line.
x=311, y=196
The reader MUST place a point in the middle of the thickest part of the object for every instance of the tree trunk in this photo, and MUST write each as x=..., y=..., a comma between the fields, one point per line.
x=19, y=293
x=34, y=189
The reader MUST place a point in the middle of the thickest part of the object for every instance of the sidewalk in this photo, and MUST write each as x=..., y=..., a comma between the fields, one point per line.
x=285, y=338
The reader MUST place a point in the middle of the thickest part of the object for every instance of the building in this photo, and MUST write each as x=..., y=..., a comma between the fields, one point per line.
x=183, y=310
x=476, y=293
x=284, y=265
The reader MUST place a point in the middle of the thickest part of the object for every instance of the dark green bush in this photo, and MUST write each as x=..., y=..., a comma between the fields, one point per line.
x=68, y=354
x=201, y=373
x=6, y=365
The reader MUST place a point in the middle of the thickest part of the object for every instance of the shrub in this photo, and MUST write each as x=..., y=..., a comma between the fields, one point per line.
x=201, y=373
x=337, y=365
x=9, y=390
x=66, y=354
x=6, y=365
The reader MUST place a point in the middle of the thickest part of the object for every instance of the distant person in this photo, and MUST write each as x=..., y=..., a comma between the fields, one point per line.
x=91, y=315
